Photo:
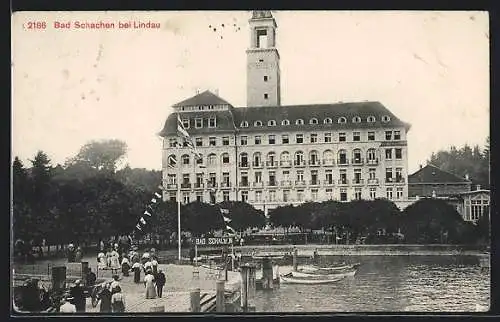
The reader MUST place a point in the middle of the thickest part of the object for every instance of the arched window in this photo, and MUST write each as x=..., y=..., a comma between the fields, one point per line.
x=285, y=122
x=244, y=124
x=199, y=159
x=313, y=121
x=314, y=158
x=298, y=158
x=356, y=156
x=243, y=160
x=225, y=158
x=342, y=120
x=356, y=119
x=271, y=123
x=327, y=121
x=328, y=157
x=299, y=122
x=371, y=156
x=257, y=159
x=212, y=159
x=185, y=159
x=271, y=159
x=386, y=118
x=342, y=157
x=285, y=159
x=257, y=123
x=371, y=119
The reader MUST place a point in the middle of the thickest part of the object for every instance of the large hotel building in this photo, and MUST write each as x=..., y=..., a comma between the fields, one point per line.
x=271, y=155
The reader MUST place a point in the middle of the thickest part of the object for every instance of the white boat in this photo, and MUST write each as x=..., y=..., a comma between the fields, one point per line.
x=290, y=279
x=323, y=275
x=328, y=270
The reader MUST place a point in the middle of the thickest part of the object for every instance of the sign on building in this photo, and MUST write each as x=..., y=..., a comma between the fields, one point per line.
x=213, y=241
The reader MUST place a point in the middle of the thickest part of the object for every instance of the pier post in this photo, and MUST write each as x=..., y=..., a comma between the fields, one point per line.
x=195, y=300
x=245, y=270
x=294, y=259
x=58, y=277
x=267, y=274
x=251, y=288
x=219, y=297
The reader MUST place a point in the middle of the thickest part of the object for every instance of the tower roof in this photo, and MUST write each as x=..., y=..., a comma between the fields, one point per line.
x=205, y=98
x=259, y=14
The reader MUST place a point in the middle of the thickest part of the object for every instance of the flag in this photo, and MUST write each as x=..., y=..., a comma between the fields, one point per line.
x=172, y=161
x=181, y=130
x=138, y=227
x=142, y=221
x=231, y=229
x=153, y=200
x=226, y=219
x=157, y=195
x=147, y=213
x=224, y=211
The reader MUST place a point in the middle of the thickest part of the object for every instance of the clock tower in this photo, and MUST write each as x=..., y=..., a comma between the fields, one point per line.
x=263, y=69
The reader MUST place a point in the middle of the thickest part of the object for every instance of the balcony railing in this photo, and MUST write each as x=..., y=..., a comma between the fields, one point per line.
x=286, y=163
x=171, y=186
x=328, y=182
x=225, y=184
x=314, y=182
x=300, y=183
x=244, y=184
x=399, y=180
x=358, y=182
x=198, y=185
x=286, y=183
x=357, y=161
x=271, y=183
x=343, y=182
x=342, y=162
x=258, y=164
x=258, y=184
x=372, y=181
x=212, y=185
x=185, y=185
x=271, y=164
x=372, y=161
x=243, y=164
x=328, y=162
x=301, y=163
x=314, y=163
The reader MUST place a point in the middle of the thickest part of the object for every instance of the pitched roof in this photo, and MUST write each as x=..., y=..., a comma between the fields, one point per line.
x=432, y=174
x=205, y=98
x=225, y=123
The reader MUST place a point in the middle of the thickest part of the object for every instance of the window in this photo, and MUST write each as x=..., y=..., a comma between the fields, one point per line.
x=261, y=60
x=342, y=157
x=272, y=178
x=373, y=193
x=257, y=140
x=211, y=141
x=244, y=179
x=172, y=179
x=314, y=177
x=399, y=193
x=370, y=119
x=299, y=122
x=258, y=177
x=329, y=176
x=265, y=78
x=397, y=135
x=285, y=122
x=299, y=158
x=199, y=180
x=372, y=155
x=244, y=124
x=185, y=178
x=341, y=137
x=244, y=196
x=243, y=160
x=388, y=135
x=225, y=195
x=300, y=175
x=399, y=174
x=286, y=175
x=356, y=136
x=314, y=138
x=266, y=96
x=299, y=138
x=314, y=158
x=225, y=158
x=328, y=137
x=185, y=123
x=257, y=123
x=286, y=195
x=272, y=139
x=172, y=143
x=213, y=200
x=198, y=123
x=386, y=118
x=388, y=154
x=357, y=193
x=356, y=154
x=173, y=197
x=327, y=121
x=314, y=194
x=371, y=136
x=225, y=140
x=371, y=174
x=398, y=153
x=212, y=159
x=258, y=196
x=185, y=197
x=388, y=175
x=329, y=193
x=256, y=159
x=271, y=123
x=285, y=139
x=343, y=194
x=212, y=122
x=199, y=160
x=243, y=140
x=300, y=195
x=185, y=159
x=357, y=176
x=343, y=176
x=356, y=119
x=389, y=193
x=199, y=196
x=272, y=195
x=313, y=121
x=342, y=120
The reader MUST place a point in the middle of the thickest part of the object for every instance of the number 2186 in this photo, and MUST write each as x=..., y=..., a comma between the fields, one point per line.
x=36, y=25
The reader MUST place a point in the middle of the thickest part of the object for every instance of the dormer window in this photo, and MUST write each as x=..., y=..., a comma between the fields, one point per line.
x=313, y=121
x=244, y=124
x=327, y=121
x=356, y=119
x=257, y=123
x=299, y=122
x=285, y=122
x=371, y=119
x=386, y=118
x=198, y=123
x=342, y=120
x=185, y=123
x=212, y=122
x=271, y=123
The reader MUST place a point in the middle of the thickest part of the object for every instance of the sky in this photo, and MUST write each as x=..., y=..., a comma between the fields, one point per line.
x=71, y=86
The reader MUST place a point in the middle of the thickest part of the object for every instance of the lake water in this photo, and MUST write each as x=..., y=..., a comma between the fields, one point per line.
x=389, y=284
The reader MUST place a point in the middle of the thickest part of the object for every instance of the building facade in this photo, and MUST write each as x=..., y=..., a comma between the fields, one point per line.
x=430, y=181
x=271, y=155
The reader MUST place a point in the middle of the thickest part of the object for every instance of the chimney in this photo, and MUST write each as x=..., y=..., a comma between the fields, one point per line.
x=467, y=176
x=420, y=165
x=478, y=187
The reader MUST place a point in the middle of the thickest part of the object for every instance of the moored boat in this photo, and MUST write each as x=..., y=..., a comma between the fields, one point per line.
x=349, y=273
x=329, y=270
x=290, y=279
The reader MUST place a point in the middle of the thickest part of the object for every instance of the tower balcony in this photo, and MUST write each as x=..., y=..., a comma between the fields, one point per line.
x=342, y=162
x=171, y=186
x=372, y=182
x=300, y=183
x=286, y=183
x=258, y=184
x=258, y=165
x=243, y=165
x=185, y=185
x=299, y=164
x=357, y=161
x=314, y=182
x=329, y=182
x=343, y=182
x=358, y=182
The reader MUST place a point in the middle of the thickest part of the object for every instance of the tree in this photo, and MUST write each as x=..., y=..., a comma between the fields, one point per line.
x=140, y=179
x=22, y=214
x=243, y=215
x=101, y=155
x=199, y=218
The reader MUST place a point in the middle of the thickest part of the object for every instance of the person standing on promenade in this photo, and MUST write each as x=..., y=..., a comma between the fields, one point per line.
x=78, y=254
x=108, y=257
x=191, y=255
x=137, y=271
x=105, y=297
x=71, y=253
x=117, y=300
x=115, y=283
x=160, y=282
x=91, y=277
x=154, y=265
x=150, y=286
x=66, y=306
x=78, y=296
x=125, y=266
x=147, y=266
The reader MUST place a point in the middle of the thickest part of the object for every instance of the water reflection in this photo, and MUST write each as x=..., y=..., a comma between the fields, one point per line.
x=390, y=284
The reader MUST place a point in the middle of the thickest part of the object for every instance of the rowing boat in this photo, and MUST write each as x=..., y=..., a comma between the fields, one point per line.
x=290, y=279
x=323, y=275
x=328, y=270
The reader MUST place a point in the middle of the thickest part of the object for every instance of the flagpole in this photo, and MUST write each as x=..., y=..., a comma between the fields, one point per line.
x=178, y=202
